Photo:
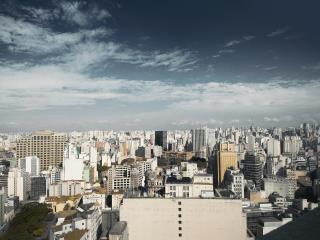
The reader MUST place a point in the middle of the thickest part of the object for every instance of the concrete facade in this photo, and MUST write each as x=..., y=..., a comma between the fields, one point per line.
x=189, y=219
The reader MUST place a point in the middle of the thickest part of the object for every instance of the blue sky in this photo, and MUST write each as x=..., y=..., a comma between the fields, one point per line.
x=69, y=65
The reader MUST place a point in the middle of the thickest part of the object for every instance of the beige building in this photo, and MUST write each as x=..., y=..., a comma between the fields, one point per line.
x=226, y=157
x=46, y=145
x=185, y=218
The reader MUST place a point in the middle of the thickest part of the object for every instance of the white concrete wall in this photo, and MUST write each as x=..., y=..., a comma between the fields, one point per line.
x=158, y=219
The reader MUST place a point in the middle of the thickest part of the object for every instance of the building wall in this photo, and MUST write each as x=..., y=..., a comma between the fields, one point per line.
x=227, y=157
x=46, y=145
x=158, y=219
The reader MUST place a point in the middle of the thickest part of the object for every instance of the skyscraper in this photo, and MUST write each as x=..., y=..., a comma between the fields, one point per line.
x=2, y=201
x=30, y=164
x=226, y=157
x=253, y=168
x=273, y=147
x=46, y=145
x=199, y=142
x=161, y=139
x=18, y=183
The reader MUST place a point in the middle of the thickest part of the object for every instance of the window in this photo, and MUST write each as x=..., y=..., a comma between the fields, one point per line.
x=180, y=228
x=179, y=203
x=180, y=234
x=180, y=222
x=179, y=215
x=179, y=209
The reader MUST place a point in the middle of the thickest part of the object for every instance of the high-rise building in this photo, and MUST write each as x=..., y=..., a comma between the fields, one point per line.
x=118, y=177
x=161, y=139
x=18, y=183
x=199, y=142
x=38, y=186
x=46, y=145
x=72, y=164
x=234, y=181
x=253, y=168
x=2, y=210
x=251, y=143
x=30, y=165
x=292, y=145
x=273, y=147
x=226, y=157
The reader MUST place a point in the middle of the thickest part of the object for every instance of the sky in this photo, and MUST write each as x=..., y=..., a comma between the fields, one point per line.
x=102, y=64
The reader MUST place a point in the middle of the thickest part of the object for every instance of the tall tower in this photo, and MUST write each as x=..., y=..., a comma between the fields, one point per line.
x=199, y=142
x=161, y=139
x=46, y=145
x=226, y=157
x=253, y=168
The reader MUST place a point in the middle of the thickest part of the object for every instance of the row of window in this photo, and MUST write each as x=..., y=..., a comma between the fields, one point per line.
x=180, y=222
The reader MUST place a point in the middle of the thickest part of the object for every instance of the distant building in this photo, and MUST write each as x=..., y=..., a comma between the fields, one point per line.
x=253, y=167
x=46, y=145
x=18, y=183
x=30, y=164
x=118, y=177
x=234, y=181
x=38, y=186
x=199, y=142
x=161, y=139
x=2, y=209
x=73, y=166
x=273, y=147
x=292, y=145
x=187, y=187
x=65, y=188
x=283, y=186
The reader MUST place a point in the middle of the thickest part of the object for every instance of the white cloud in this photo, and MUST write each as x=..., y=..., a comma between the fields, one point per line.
x=270, y=68
x=21, y=36
x=73, y=13
x=43, y=87
x=232, y=43
x=226, y=51
x=248, y=38
x=278, y=32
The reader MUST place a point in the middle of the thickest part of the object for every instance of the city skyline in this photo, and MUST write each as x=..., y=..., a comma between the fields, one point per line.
x=80, y=65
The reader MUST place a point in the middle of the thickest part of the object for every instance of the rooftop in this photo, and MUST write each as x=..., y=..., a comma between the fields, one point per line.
x=75, y=235
x=184, y=180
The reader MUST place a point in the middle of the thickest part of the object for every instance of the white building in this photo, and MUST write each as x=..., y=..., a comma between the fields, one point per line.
x=95, y=198
x=273, y=147
x=189, y=169
x=72, y=164
x=185, y=218
x=187, y=187
x=18, y=183
x=30, y=165
x=65, y=188
x=234, y=180
x=292, y=144
x=251, y=143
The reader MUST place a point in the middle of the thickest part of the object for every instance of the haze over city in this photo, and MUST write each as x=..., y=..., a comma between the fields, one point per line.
x=80, y=65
